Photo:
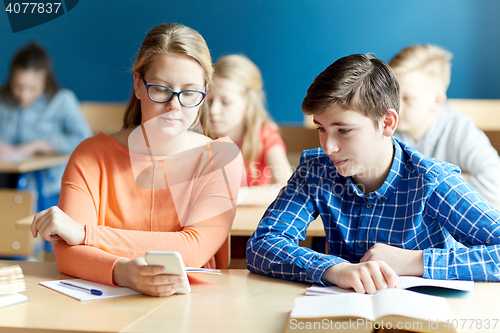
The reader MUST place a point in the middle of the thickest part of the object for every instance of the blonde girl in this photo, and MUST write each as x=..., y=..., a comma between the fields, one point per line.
x=237, y=110
x=157, y=185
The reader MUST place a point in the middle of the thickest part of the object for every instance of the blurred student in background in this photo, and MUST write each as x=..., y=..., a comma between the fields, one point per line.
x=237, y=109
x=37, y=117
x=429, y=125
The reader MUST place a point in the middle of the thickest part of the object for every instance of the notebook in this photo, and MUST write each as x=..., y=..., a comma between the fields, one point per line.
x=203, y=270
x=82, y=295
x=107, y=291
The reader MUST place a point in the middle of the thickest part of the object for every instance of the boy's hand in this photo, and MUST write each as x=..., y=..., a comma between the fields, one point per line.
x=403, y=262
x=365, y=277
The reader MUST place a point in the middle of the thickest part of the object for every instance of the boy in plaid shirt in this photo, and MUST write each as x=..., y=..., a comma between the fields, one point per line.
x=387, y=209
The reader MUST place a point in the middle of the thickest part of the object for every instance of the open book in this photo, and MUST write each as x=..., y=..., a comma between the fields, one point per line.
x=405, y=282
x=107, y=291
x=388, y=308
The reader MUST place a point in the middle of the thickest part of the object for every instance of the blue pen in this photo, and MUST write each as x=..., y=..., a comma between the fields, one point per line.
x=92, y=291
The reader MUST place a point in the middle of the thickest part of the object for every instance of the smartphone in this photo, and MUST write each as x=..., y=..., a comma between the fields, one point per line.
x=172, y=261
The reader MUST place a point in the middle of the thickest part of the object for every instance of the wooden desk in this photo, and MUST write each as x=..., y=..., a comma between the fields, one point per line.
x=52, y=311
x=237, y=301
x=248, y=217
x=32, y=164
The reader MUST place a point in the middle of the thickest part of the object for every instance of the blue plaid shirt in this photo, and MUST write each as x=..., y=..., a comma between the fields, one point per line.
x=424, y=204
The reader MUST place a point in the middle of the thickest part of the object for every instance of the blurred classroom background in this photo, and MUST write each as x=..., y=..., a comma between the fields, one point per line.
x=93, y=47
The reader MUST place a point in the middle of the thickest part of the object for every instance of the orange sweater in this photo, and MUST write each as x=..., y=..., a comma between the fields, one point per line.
x=192, y=214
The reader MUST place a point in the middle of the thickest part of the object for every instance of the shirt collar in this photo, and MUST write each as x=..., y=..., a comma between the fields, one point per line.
x=391, y=182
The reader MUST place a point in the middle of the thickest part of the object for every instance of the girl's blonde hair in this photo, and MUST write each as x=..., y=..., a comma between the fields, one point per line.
x=240, y=69
x=170, y=39
x=432, y=60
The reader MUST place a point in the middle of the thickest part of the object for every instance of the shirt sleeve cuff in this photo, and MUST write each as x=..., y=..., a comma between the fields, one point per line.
x=315, y=272
x=436, y=263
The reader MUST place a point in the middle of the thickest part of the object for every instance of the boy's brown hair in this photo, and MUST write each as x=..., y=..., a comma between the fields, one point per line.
x=432, y=60
x=360, y=82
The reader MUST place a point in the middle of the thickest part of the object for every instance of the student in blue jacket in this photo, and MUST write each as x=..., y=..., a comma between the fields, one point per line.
x=387, y=209
x=37, y=117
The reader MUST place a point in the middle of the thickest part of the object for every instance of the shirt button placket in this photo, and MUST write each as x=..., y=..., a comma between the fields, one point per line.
x=368, y=205
x=362, y=232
